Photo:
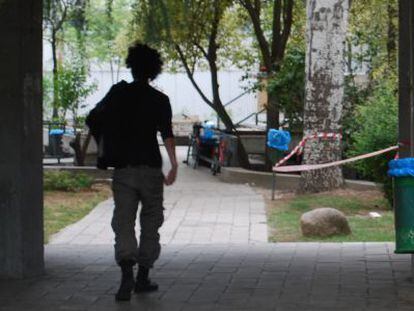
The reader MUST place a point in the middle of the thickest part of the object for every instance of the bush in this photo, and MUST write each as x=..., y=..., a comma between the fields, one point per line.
x=376, y=127
x=65, y=181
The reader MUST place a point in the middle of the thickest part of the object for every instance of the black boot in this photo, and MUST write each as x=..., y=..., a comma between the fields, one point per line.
x=127, y=281
x=143, y=283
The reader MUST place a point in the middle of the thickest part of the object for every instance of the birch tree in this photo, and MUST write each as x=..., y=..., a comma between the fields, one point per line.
x=326, y=35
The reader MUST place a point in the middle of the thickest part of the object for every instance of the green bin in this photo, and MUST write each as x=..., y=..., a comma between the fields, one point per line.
x=404, y=214
x=403, y=172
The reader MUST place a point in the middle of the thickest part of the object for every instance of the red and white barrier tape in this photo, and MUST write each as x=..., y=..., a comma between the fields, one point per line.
x=299, y=148
x=309, y=167
x=402, y=143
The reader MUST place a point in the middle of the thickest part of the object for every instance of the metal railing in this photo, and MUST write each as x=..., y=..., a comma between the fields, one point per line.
x=236, y=98
x=254, y=114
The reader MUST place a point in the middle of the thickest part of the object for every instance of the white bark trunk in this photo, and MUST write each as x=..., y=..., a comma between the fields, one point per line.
x=326, y=32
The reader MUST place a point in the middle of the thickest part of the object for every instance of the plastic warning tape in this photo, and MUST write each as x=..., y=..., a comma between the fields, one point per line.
x=310, y=167
x=299, y=148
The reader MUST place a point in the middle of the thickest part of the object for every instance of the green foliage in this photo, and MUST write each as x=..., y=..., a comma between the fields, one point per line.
x=355, y=95
x=65, y=181
x=371, y=42
x=193, y=35
x=47, y=95
x=173, y=25
x=286, y=81
x=370, y=110
x=108, y=37
x=289, y=87
x=373, y=27
x=236, y=47
x=170, y=25
x=73, y=88
x=375, y=127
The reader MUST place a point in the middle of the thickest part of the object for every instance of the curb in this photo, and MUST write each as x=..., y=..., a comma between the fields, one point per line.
x=283, y=181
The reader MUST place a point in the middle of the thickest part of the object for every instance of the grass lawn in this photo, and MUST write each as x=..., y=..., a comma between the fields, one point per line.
x=62, y=208
x=284, y=216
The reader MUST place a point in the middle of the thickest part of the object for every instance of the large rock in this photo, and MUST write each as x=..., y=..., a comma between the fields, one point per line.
x=324, y=222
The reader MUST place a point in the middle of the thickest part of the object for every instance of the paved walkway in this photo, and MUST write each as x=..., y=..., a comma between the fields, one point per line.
x=215, y=258
x=286, y=276
x=199, y=209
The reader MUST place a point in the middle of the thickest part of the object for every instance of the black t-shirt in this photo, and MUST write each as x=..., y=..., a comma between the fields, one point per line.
x=130, y=116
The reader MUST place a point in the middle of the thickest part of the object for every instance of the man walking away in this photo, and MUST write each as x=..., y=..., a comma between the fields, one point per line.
x=125, y=125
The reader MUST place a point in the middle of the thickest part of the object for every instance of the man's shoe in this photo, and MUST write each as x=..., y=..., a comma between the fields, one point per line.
x=127, y=281
x=143, y=283
x=145, y=287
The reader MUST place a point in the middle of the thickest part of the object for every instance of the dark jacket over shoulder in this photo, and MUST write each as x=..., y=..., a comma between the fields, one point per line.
x=125, y=125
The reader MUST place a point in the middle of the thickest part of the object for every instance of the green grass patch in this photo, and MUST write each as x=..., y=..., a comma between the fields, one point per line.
x=284, y=216
x=66, y=181
x=62, y=208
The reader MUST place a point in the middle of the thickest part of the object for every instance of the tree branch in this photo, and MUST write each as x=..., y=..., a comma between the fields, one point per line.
x=212, y=41
x=287, y=25
x=276, y=30
x=202, y=50
x=254, y=13
x=257, y=5
x=59, y=23
x=191, y=75
x=212, y=53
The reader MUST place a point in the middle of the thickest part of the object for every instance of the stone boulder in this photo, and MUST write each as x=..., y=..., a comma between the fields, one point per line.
x=324, y=222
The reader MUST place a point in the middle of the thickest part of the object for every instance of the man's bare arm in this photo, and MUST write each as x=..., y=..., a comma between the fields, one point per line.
x=172, y=174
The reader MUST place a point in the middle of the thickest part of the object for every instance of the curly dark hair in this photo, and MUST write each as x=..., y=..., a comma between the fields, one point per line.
x=145, y=62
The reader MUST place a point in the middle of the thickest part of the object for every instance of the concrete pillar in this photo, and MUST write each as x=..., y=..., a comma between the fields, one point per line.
x=406, y=88
x=21, y=206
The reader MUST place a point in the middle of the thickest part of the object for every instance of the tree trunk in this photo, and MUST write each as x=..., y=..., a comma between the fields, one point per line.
x=112, y=70
x=272, y=122
x=229, y=125
x=79, y=148
x=272, y=112
x=217, y=103
x=76, y=146
x=392, y=36
x=118, y=68
x=55, y=77
x=326, y=33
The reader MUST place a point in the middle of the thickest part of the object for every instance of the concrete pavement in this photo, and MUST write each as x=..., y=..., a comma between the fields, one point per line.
x=215, y=257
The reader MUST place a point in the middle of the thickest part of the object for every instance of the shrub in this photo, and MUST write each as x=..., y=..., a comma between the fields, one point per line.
x=376, y=127
x=66, y=181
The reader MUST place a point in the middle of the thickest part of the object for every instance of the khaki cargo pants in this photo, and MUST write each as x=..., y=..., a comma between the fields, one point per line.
x=132, y=185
